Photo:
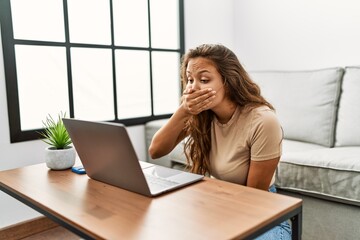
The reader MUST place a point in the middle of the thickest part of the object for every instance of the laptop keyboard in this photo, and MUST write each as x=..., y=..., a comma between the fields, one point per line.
x=160, y=181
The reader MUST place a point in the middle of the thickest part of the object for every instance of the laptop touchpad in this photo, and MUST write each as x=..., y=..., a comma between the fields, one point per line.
x=161, y=171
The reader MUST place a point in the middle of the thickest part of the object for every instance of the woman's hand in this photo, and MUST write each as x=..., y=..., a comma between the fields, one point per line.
x=169, y=135
x=196, y=101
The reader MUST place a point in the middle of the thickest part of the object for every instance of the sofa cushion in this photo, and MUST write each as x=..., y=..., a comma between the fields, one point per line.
x=306, y=102
x=348, y=127
x=331, y=173
x=297, y=146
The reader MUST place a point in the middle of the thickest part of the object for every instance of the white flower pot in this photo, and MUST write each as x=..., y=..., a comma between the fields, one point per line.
x=59, y=159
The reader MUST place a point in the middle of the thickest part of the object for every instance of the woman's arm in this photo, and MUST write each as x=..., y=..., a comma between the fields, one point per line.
x=266, y=143
x=261, y=173
x=168, y=136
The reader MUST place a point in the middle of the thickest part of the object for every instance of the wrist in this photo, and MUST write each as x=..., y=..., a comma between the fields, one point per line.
x=184, y=112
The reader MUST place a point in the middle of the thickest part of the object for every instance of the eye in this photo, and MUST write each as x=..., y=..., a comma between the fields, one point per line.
x=190, y=81
x=204, y=81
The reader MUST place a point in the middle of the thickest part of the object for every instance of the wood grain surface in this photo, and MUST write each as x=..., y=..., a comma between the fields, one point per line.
x=210, y=209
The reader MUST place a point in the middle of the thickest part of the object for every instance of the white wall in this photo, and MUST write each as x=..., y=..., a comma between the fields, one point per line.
x=297, y=35
x=209, y=21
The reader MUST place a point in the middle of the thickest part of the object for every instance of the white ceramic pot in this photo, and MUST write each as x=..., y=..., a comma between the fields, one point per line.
x=59, y=159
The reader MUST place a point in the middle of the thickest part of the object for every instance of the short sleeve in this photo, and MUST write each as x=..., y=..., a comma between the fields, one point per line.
x=265, y=135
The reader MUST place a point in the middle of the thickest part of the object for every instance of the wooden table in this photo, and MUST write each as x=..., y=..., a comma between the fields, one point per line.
x=210, y=209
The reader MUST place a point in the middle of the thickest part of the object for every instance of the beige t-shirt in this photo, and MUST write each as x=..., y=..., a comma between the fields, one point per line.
x=254, y=135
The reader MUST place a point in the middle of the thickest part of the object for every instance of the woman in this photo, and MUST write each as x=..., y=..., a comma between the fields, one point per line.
x=232, y=131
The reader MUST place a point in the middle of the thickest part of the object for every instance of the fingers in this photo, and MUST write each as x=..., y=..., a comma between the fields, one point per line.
x=196, y=101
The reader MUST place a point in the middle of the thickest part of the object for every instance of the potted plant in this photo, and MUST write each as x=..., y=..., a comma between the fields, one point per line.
x=60, y=154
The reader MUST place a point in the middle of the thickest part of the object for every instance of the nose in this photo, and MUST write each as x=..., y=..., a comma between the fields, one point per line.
x=195, y=85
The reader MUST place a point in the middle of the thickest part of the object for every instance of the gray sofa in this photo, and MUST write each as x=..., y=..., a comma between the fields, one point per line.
x=319, y=111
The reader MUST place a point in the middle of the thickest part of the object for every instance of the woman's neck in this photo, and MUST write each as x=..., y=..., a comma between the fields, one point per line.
x=225, y=111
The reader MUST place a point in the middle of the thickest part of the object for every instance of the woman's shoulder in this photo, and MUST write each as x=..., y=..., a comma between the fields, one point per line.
x=263, y=110
x=263, y=114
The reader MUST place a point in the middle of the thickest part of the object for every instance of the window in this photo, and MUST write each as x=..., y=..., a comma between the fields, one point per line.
x=100, y=60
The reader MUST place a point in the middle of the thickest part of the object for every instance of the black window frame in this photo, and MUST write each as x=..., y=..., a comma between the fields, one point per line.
x=8, y=44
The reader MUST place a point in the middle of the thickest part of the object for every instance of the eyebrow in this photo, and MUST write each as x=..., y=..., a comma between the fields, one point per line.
x=202, y=71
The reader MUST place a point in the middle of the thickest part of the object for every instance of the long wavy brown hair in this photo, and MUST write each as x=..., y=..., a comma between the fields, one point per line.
x=239, y=88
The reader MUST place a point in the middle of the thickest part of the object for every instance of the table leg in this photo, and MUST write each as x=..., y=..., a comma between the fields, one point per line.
x=296, y=223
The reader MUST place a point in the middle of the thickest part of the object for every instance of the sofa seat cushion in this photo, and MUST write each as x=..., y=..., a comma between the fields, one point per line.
x=297, y=146
x=330, y=173
x=306, y=102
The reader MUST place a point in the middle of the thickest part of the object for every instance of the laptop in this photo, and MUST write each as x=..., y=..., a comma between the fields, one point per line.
x=108, y=155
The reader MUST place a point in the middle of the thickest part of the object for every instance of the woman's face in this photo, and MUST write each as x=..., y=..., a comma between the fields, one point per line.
x=201, y=73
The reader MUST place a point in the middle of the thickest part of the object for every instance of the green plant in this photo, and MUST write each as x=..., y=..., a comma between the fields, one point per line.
x=55, y=133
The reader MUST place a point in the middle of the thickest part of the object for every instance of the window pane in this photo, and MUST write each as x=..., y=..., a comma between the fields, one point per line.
x=166, y=82
x=92, y=84
x=89, y=21
x=164, y=24
x=38, y=20
x=42, y=83
x=133, y=83
x=131, y=23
